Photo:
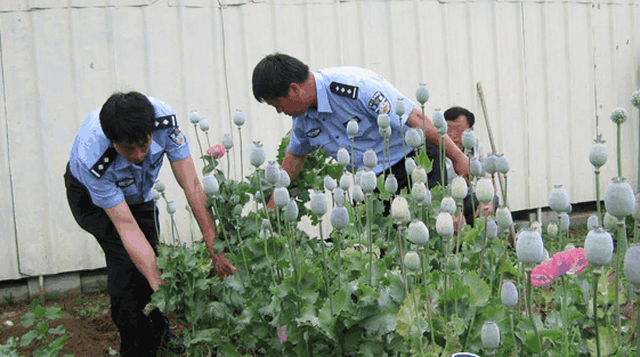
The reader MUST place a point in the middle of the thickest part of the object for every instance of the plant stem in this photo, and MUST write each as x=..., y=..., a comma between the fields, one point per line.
x=596, y=273
x=598, y=197
x=195, y=126
x=638, y=327
x=404, y=274
x=415, y=307
x=565, y=320
x=515, y=340
x=619, y=152
x=528, y=303
x=264, y=202
x=353, y=159
x=370, y=235
x=426, y=291
x=484, y=246
x=324, y=260
x=241, y=160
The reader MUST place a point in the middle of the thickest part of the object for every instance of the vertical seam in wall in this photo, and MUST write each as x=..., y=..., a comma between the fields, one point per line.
x=526, y=106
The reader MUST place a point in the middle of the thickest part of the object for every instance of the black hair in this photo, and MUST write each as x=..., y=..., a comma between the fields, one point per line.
x=454, y=113
x=127, y=117
x=273, y=75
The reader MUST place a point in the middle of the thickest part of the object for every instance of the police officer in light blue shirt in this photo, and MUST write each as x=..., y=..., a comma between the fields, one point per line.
x=115, y=159
x=322, y=103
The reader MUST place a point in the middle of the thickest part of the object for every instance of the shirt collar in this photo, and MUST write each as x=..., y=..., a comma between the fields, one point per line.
x=321, y=94
x=122, y=163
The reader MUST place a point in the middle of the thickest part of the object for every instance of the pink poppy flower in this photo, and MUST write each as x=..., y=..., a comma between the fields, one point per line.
x=282, y=333
x=566, y=262
x=216, y=151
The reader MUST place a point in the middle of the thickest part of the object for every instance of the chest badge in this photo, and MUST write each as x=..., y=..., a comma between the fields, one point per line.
x=379, y=103
x=126, y=182
x=314, y=132
x=177, y=136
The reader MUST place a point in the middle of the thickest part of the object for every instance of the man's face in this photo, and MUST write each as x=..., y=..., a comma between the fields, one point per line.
x=133, y=152
x=456, y=128
x=291, y=105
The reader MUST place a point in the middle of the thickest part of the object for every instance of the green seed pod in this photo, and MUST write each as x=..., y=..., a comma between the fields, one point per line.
x=384, y=120
x=227, y=142
x=237, y=210
x=409, y=165
x=204, y=125
x=427, y=199
x=459, y=188
x=529, y=247
x=442, y=131
x=593, y=222
x=418, y=192
x=329, y=183
x=266, y=224
x=509, y=295
x=160, y=186
x=400, y=108
x=632, y=265
x=569, y=247
x=400, y=209
x=291, y=211
x=283, y=179
x=490, y=335
x=492, y=229
x=369, y=158
x=412, y=261
x=357, y=194
x=552, y=229
x=171, y=207
x=565, y=222
x=258, y=196
x=502, y=164
x=413, y=138
x=598, y=247
x=619, y=115
x=422, y=94
x=503, y=217
x=352, y=127
x=257, y=155
x=444, y=224
x=155, y=195
x=194, y=117
x=418, y=233
x=448, y=204
x=635, y=99
x=437, y=118
x=345, y=182
x=452, y=264
x=598, y=154
x=272, y=172
x=391, y=184
x=318, y=204
x=281, y=196
x=419, y=174
x=385, y=132
x=210, y=185
x=490, y=164
x=559, y=199
x=468, y=139
x=475, y=167
x=484, y=190
x=609, y=222
x=343, y=157
x=238, y=117
x=368, y=181
x=619, y=199
x=339, y=217
x=339, y=196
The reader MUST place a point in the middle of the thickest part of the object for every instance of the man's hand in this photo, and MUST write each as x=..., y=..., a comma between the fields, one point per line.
x=485, y=209
x=461, y=165
x=221, y=265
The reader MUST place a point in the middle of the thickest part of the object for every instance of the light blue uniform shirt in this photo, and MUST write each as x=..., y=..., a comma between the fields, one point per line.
x=111, y=179
x=344, y=93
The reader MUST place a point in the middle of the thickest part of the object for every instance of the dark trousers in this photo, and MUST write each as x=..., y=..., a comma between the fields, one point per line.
x=128, y=289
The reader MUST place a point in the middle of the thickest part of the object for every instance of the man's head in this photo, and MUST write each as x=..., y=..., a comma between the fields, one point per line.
x=282, y=82
x=127, y=120
x=458, y=120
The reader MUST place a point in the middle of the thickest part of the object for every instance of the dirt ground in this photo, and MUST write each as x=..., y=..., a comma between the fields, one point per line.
x=86, y=319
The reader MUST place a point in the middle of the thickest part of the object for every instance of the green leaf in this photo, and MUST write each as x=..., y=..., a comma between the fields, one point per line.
x=54, y=312
x=28, y=319
x=422, y=159
x=57, y=330
x=608, y=342
x=27, y=338
x=380, y=323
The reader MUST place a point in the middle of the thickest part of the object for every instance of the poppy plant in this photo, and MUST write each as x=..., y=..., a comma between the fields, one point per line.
x=216, y=151
x=566, y=262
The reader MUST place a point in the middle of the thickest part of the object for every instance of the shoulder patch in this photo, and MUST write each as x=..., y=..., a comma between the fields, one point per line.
x=100, y=167
x=165, y=122
x=177, y=136
x=344, y=90
x=379, y=103
x=314, y=132
x=126, y=182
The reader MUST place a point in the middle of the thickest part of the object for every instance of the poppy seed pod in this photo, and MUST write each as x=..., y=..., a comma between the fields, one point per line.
x=272, y=172
x=400, y=108
x=484, y=190
x=155, y=195
x=448, y=204
x=490, y=164
x=352, y=127
x=357, y=194
x=266, y=224
x=283, y=178
x=369, y=158
x=598, y=154
x=490, y=335
x=509, y=295
x=552, y=229
x=339, y=196
x=422, y=94
x=503, y=217
x=409, y=165
x=318, y=203
x=400, y=209
x=468, y=139
x=227, y=141
x=418, y=233
x=444, y=224
x=419, y=174
x=413, y=138
x=635, y=99
x=237, y=210
x=459, y=188
x=385, y=132
x=492, y=229
x=343, y=157
x=339, y=217
x=559, y=199
x=442, y=131
x=598, y=247
x=281, y=196
x=437, y=118
x=636, y=210
x=427, y=199
x=171, y=207
x=632, y=265
x=502, y=164
x=609, y=222
x=345, y=182
x=391, y=184
x=329, y=183
x=238, y=117
x=529, y=247
x=204, y=125
x=619, y=199
x=194, y=117
x=475, y=167
x=210, y=185
x=160, y=186
x=291, y=211
x=593, y=222
x=257, y=155
x=418, y=192
x=412, y=261
x=384, y=120
x=619, y=115
x=565, y=222
x=258, y=195
x=368, y=181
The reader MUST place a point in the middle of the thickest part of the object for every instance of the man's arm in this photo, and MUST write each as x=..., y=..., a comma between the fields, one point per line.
x=292, y=164
x=459, y=159
x=185, y=173
x=135, y=243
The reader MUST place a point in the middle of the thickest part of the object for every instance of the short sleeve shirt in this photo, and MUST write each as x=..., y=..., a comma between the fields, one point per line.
x=344, y=93
x=110, y=178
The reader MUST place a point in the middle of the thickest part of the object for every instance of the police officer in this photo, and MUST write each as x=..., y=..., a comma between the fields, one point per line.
x=323, y=102
x=115, y=160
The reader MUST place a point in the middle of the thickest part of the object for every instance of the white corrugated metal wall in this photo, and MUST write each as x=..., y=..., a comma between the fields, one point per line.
x=549, y=69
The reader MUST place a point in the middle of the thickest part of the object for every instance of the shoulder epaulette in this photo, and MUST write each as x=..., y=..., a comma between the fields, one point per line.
x=100, y=167
x=165, y=122
x=344, y=90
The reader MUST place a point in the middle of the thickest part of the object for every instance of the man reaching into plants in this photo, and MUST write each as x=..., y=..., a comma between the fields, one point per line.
x=115, y=161
x=323, y=102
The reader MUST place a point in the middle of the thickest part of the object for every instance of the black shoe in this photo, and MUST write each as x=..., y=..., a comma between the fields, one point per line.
x=173, y=343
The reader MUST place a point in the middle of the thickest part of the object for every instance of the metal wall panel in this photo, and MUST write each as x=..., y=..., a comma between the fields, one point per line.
x=552, y=72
